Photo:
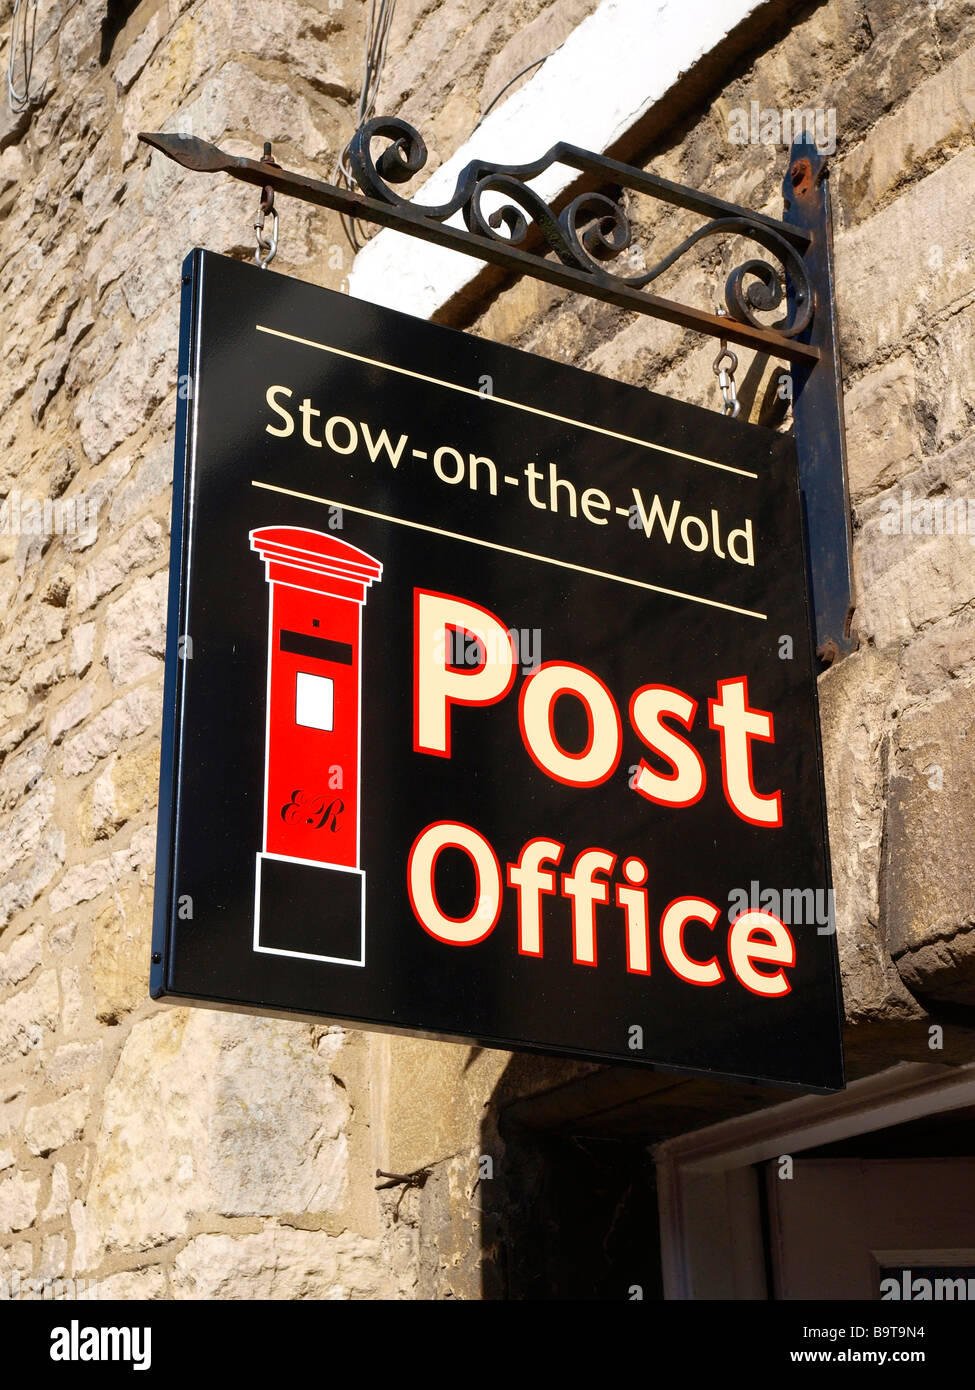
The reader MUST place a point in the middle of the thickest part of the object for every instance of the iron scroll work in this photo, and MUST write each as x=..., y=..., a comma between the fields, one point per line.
x=585, y=240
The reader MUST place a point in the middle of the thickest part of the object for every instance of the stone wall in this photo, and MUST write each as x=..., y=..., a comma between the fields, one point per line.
x=183, y=1153
x=898, y=715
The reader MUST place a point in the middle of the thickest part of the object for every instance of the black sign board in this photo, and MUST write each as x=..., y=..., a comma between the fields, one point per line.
x=490, y=706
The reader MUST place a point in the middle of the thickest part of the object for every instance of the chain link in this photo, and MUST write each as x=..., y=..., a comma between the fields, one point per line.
x=726, y=377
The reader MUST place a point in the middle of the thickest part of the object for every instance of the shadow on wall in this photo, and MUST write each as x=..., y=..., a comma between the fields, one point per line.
x=116, y=17
x=564, y=1216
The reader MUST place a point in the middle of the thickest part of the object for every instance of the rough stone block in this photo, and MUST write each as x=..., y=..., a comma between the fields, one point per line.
x=930, y=856
x=901, y=53
x=29, y=636
x=129, y=715
x=854, y=700
x=914, y=560
x=71, y=1061
x=69, y=715
x=135, y=381
x=882, y=429
x=282, y=1264
x=939, y=655
x=637, y=353
x=136, y=637
x=138, y=53
x=936, y=120
x=316, y=43
x=13, y=1107
x=515, y=312
x=120, y=953
x=81, y=883
x=72, y=1001
x=60, y=1194
x=21, y=958
x=87, y=880
x=140, y=1285
x=22, y=772
x=150, y=481
x=18, y=1202
x=54, y=1258
x=16, y=1261
x=885, y=299
x=62, y=938
x=946, y=367
x=942, y=971
x=127, y=786
x=51, y=1126
x=82, y=648
x=208, y=1112
x=31, y=852
x=144, y=542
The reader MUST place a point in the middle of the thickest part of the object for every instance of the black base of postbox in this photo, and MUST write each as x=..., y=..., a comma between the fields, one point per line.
x=311, y=910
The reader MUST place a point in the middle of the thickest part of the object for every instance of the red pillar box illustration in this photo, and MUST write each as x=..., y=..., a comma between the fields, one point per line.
x=310, y=890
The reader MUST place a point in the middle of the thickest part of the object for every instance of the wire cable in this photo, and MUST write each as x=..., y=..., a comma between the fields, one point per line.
x=537, y=63
x=377, y=42
x=23, y=27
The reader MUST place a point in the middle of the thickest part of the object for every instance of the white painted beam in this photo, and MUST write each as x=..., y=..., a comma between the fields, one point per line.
x=610, y=71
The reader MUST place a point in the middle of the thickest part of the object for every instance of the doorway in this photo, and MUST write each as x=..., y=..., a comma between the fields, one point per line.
x=867, y=1195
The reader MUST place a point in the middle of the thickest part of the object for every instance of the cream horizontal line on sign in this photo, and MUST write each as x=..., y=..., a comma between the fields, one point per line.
x=503, y=400
x=509, y=550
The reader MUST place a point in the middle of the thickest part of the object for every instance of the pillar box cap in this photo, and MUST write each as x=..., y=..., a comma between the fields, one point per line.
x=315, y=560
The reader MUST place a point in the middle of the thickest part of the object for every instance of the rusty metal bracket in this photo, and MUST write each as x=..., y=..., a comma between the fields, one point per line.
x=817, y=412
x=586, y=238
x=415, y=1179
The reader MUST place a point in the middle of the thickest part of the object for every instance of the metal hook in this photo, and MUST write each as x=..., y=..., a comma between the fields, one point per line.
x=266, y=249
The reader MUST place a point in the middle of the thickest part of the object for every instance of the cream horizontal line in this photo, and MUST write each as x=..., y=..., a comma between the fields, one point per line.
x=509, y=550
x=503, y=400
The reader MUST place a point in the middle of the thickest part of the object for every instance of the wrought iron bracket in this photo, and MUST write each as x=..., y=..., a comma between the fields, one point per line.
x=817, y=414
x=587, y=238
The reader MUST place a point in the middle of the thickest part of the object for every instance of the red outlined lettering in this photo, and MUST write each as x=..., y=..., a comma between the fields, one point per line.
x=737, y=723
x=581, y=886
x=452, y=686
x=538, y=698
x=779, y=949
x=685, y=785
x=420, y=881
x=672, y=923
x=531, y=882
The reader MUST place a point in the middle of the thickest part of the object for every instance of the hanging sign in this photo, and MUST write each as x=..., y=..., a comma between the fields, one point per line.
x=490, y=707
